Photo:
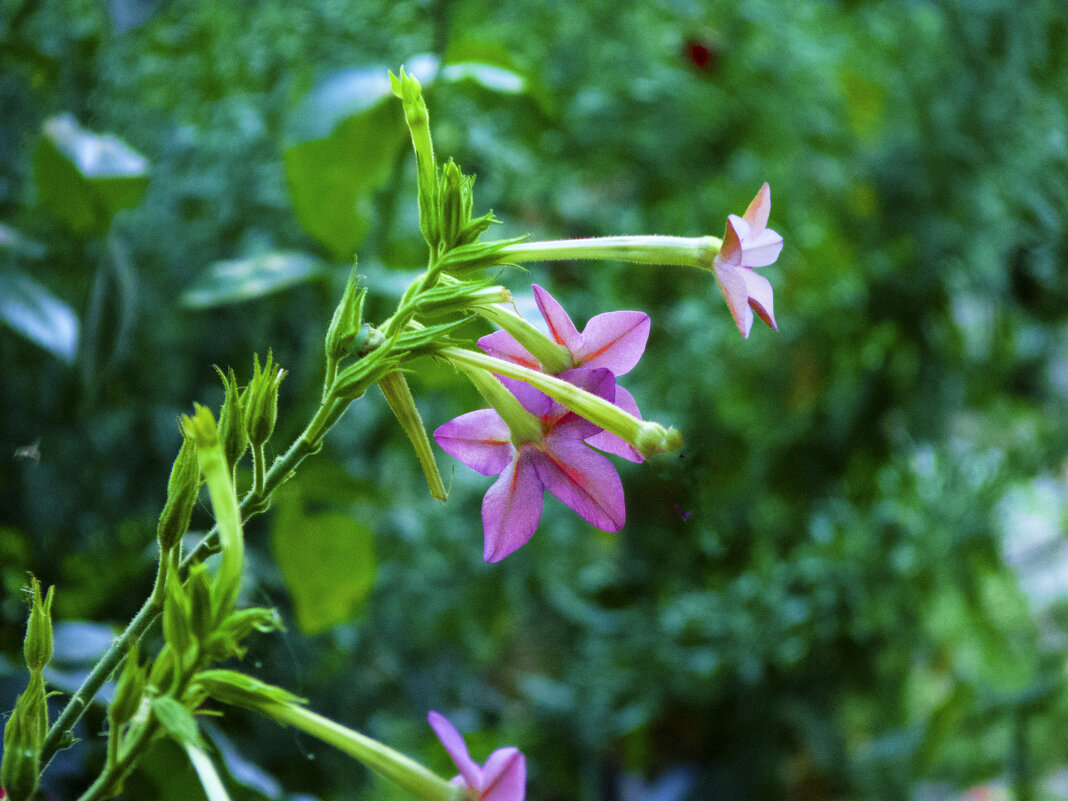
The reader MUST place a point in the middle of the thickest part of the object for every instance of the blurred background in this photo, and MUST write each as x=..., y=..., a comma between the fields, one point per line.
x=852, y=582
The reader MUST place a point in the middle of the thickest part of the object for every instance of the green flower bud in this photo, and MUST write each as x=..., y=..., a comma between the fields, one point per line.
x=182, y=488
x=407, y=88
x=37, y=646
x=201, y=613
x=22, y=752
x=399, y=397
x=177, y=623
x=261, y=408
x=475, y=256
x=232, y=431
x=346, y=325
x=129, y=690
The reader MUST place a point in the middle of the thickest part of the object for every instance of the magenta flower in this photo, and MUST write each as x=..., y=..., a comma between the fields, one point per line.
x=502, y=778
x=748, y=243
x=560, y=462
x=613, y=340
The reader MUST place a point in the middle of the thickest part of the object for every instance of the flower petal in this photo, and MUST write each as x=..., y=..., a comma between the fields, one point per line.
x=735, y=291
x=615, y=340
x=759, y=210
x=505, y=776
x=457, y=748
x=760, y=251
x=730, y=251
x=534, y=401
x=480, y=439
x=511, y=509
x=611, y=443
x=504, y=346
x=560, y=326
x=584, y=480
x=760, y=296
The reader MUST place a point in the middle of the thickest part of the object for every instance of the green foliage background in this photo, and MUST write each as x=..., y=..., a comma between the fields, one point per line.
x=822, y=597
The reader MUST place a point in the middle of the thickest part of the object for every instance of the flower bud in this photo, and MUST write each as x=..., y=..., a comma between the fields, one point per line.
x=407, y=88
x=200, y=427
x=261, y=410
x=22, y=752
x=201, y=613
x=182, y=488
x=128, y=691
x=177, y=625
x=37, y=646
x=232, y=430
x=399, y=397
x=346, y=325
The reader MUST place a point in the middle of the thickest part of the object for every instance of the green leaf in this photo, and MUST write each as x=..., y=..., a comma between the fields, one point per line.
x=85, y=178
x=238, y=280
x=37, y=314
x=345, y=149
x=177, y=720
x=326, y=557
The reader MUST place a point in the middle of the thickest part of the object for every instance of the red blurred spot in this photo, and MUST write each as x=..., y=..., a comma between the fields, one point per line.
x=700, y=55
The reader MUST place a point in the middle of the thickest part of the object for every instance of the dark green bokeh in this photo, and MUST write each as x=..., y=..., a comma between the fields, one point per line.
x=812, y=601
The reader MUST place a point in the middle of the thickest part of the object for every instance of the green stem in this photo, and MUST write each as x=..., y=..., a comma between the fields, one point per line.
x=258, y=458
x=386, y=762
x=72, y=712
x=690, y=251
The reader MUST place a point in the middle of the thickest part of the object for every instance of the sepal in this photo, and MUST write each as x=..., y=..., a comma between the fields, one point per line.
x=346, y=325
x=233, y=433
x=37, y=645
x=129, y=690
x=262, y=399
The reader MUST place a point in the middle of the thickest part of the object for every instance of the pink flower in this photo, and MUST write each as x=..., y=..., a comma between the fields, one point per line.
x=613, y=340
x=560, y=462
x=748, y=243
x=502, y=778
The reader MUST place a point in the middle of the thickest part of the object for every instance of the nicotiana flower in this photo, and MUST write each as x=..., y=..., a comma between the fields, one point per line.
x=748, y=243
x=612, y=340
x=502, y=778
x=551, y=455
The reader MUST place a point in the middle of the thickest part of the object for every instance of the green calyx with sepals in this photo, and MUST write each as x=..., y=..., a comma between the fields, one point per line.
x=37, y=646
x=261, y=399
x=22, y=748
x=456, y=194
x=233, y=431
x=346, y=326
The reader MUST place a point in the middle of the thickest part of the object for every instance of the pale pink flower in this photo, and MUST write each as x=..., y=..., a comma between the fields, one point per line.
x=748, y=243
x=559, y=462
x=612, y=340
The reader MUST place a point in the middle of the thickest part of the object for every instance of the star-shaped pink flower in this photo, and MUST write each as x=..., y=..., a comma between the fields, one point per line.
x=612, y=340
x=748, y=243
x=502, y=778
x=560, y=462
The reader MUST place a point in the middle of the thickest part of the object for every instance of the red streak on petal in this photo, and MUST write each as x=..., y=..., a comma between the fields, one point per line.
x=607, y=345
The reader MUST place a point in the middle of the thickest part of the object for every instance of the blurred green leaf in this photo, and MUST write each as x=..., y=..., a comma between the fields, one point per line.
x=15, y=242
x=38, y=315
x=85, y=178
x=347, y=138
x=327, y=559
x=238, y=280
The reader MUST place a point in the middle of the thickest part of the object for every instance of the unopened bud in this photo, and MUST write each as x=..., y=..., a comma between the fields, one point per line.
x=201, y=613
x=200, y=427
x=399, y=397
x=261, y=408
x=182, y=488
x=22, y=753
x=177, y=626
x=232, y=430
x=129, y=690
x=346, y=326
x=37, y=646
